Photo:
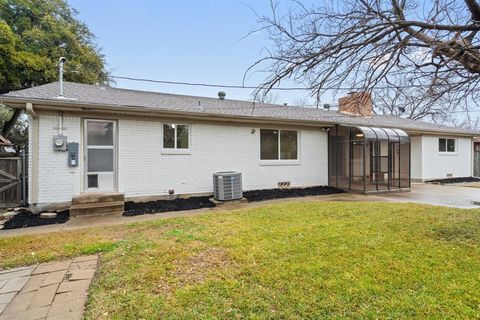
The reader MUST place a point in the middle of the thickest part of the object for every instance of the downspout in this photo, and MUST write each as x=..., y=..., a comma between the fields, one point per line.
x=34, y=151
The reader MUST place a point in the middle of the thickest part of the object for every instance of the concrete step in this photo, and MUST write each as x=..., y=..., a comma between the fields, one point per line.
x=97, y=204
x=97, y=208
x=98, y=197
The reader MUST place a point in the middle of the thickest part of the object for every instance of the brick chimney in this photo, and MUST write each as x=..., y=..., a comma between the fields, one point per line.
x=357, y=104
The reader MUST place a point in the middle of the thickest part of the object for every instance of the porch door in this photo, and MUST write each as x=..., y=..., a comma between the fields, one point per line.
x=100, y=155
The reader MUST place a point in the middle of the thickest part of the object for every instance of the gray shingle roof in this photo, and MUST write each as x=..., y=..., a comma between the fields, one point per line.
x=84, y=94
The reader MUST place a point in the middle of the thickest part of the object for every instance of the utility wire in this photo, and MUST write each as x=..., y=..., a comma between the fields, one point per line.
x=212, y=85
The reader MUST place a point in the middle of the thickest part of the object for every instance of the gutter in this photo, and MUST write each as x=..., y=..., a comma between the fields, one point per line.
x=72, y=106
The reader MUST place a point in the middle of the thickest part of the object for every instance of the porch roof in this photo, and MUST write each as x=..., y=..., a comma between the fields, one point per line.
x=386, y=134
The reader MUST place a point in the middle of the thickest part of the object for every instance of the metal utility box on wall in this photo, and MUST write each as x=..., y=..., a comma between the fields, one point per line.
x=60, y=143
x=227, y=185
x=72, y=154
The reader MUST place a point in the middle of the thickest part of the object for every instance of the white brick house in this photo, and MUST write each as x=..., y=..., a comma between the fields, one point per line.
x=147, y=144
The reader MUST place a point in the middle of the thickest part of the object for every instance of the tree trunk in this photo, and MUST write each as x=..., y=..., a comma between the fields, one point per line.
x=8, y=126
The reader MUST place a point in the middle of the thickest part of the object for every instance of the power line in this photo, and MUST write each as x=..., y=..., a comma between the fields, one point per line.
x=317, y=106
x=212, y=85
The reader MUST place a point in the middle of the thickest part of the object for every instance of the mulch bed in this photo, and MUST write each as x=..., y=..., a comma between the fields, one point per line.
x=25, y=218
x=150, y=207
x=138, y=208
x=269, y=194
x=454, y=180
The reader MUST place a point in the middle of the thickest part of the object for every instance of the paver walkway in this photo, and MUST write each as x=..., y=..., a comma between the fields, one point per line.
x=55, y=290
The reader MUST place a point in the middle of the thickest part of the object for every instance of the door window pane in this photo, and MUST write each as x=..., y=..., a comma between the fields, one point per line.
x=100, y=160
x=268, y=144
x=99, y=133
x=450, y=145
x=182, y=136
x=442, y=145
x=169, y=136
x=288, y=145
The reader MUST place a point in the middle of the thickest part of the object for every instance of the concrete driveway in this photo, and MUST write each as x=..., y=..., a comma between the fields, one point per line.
x=457, y=196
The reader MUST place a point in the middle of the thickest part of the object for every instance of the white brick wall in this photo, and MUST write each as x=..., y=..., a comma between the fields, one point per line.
x=436, y=165
x=57, y=181
x=144, y=170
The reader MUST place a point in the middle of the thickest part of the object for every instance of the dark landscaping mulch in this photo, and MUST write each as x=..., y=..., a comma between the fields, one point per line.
x=138, y=208
x=150, y=207
x=454, y=180
x=268, y=194
x=25, y=218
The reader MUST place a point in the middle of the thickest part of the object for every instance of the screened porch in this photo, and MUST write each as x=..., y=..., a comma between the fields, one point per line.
x=369, y=159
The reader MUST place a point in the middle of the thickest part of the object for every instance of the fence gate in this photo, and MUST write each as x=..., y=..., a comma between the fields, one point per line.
x=10, y=182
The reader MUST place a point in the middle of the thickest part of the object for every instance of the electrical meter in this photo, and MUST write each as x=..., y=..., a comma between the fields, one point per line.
x=60, y=143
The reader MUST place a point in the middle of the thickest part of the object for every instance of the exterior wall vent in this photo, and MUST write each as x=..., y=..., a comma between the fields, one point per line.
x=284, y=184
x=227, y=185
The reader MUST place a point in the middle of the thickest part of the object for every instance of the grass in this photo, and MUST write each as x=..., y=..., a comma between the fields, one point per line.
x=295, y=260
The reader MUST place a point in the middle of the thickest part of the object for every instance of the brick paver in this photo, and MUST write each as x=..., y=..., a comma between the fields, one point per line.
x=49, y=291
x=52, y=267
x=35, y=282
x=16, y=273
x=14, y=285
x=55, y=277
x=44, y=296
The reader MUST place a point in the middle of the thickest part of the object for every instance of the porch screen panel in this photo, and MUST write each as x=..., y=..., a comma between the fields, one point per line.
x=342, y=154
x=357, y=158
x=371, y=165
x=332, y=157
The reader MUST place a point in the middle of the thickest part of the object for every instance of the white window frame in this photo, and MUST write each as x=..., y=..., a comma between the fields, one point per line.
x=446, y=152
x=176, y=150
x=278, y=162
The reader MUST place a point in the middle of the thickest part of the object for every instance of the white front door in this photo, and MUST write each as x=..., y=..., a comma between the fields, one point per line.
x=100, y=155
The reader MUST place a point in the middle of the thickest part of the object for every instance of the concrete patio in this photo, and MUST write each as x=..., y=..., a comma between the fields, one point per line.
x=456, y=196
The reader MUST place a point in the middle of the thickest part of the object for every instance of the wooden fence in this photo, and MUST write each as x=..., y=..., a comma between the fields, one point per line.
x=11, y=192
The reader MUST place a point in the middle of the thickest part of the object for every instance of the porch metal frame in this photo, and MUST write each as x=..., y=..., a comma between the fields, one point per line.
x=374, y=135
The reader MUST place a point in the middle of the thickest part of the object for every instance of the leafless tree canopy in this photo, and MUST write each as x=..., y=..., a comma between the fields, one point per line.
x=424, y=54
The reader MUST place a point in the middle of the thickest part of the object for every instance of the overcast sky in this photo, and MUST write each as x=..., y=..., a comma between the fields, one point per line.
x=181, y=40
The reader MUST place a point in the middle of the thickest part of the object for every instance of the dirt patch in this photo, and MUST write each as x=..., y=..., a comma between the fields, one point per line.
x=268, y=194
x=196, y=269
x=454, y=180
x=138, y=208
x=25, y=218
x=198, y=266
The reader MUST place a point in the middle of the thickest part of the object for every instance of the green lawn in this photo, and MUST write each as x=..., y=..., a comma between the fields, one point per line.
x=292, y=260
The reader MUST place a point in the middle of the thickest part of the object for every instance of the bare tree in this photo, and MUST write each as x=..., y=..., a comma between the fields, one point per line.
x=424, y=54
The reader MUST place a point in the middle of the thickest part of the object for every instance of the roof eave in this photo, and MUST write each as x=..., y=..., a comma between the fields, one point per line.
x=72, y=106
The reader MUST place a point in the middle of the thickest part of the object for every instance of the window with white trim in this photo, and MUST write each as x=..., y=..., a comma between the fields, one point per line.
x=278, y=144
x=176, y=136
x=446, y=145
